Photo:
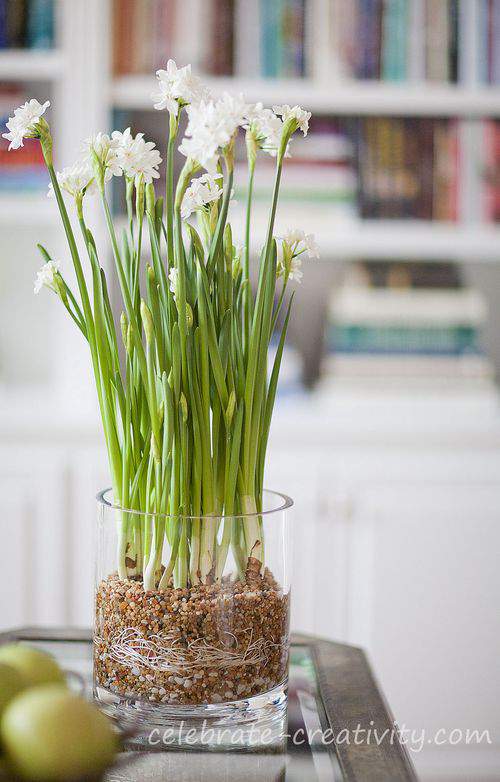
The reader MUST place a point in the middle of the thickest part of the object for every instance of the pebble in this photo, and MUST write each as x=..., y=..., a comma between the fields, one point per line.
x=205, y=614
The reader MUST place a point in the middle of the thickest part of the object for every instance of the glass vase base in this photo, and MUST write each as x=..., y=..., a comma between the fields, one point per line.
x=258, y=721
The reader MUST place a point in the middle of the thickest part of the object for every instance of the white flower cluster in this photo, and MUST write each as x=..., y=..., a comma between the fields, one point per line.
x=301, y=116
x=104, y=148
x=178, y=87
x=202, y=191
x=45, y=278
x=122, y=153
x=136, y=157
x=301, y=242
x=75, y=180
x=294, y=244
x=211, y=127
x=266, y=128
x=23, y=124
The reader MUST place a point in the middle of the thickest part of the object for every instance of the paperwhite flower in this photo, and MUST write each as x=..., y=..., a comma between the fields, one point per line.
x=178, y=86
x=173, y=276
x=211, y=127
x=231, y=111
x=294, y=244
x=301, y=242
x=45, y=276
x=295, y=272
x=105, y=148
x=300, y=115
x=202, y=191
x=75, y=179
x=23, y=124
x=135, y=156
x=266, y=128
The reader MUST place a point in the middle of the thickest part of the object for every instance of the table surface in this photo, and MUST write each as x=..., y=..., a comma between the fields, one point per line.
x=339, y=729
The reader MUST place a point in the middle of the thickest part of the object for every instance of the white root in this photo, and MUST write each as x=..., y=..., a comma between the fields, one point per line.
x=163, y=652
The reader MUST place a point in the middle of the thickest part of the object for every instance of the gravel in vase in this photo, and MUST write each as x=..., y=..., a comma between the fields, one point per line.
x=204, y=644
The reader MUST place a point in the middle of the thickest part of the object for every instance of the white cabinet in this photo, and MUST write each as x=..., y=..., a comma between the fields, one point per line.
x=396, y=540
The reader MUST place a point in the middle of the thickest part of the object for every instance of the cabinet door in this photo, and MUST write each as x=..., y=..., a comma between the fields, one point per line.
x=423, y=595
x=34, y=535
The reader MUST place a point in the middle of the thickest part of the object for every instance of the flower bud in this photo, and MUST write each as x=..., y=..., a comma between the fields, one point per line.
x=124, y=328
x=252, y=146
x=189, y=315
x=228, y=246
x=139, y=198
x=151, y=274
x=150, y=200
x=147, y=321
x=230, y=408
x=59, y=288
x=184, y=407
x=129, y=342
x=155, y=449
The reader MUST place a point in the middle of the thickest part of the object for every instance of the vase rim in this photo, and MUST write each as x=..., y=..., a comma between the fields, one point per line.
x=284, y=503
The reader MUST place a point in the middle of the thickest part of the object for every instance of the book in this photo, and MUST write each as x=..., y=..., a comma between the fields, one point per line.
x=222, y=37
x=369, y=26
x=40, y=24
x=247, y=31
x=122, y=26
x=494, y=48
x=16, y=23
x=163, y=21
x=4, y=38
x=293, y=30
x=437, y=40
x=395, y=39
x=379, y=313
x=491, y=173
x=271, y=38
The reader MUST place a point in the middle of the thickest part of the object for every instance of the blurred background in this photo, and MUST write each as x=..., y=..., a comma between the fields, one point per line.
x=387, y=429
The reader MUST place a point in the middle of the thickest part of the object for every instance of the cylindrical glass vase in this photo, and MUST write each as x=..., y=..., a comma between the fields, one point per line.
x=192, y=614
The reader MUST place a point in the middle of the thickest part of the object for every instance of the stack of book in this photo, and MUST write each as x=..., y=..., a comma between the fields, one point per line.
x=320, y=171
x=405, y=320
x=24, y=171
x=407, y=167
x=26, y=24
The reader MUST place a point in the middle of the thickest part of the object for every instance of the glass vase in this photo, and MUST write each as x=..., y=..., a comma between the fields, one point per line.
x=192, y=617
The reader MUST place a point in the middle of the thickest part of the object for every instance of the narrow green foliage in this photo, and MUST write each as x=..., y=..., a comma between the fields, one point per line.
x=184, y=391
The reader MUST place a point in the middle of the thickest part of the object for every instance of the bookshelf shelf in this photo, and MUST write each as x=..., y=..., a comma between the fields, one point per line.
x=23, y=64
x=385, y=239
x=134, y=92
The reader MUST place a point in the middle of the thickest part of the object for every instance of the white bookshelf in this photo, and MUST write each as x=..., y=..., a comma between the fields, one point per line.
x=351, y=98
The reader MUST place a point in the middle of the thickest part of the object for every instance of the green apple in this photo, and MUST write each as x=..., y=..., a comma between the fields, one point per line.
x=35, y=666
x=11, y=684
x=49, y=733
